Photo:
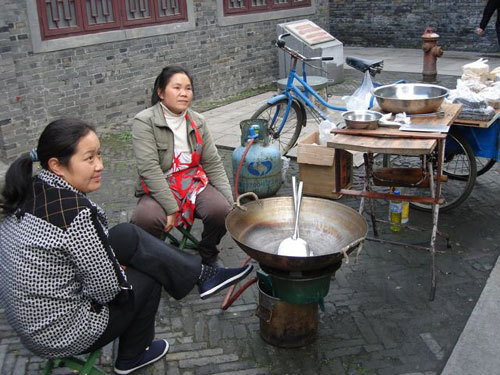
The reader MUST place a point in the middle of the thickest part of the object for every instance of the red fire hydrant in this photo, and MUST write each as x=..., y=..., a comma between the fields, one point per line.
x=431, y=52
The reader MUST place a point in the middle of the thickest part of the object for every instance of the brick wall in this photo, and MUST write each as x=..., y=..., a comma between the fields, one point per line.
x=400, y=23
x=107, y=84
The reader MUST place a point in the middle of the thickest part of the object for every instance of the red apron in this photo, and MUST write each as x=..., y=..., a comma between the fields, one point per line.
x=186, y=179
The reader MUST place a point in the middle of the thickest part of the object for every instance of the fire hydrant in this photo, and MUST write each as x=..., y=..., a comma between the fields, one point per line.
x=431, y=52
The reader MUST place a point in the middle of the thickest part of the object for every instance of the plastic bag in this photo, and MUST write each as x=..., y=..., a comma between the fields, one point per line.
x=477, y=70
x=285, y=164
x=362, y=96
x=474, y=85
x=491, y=93
x=325, y=127
x=463, y=94
x=494, y=73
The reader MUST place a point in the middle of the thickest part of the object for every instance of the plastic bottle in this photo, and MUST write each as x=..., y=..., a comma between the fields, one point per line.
x=395, y=213
x=325, y=127
x=405, y=211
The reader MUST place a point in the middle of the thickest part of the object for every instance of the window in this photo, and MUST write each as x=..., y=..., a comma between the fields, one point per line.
x=234, y=7
x=62, y=18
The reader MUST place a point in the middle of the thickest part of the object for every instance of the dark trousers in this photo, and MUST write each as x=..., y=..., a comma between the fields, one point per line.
x=150, y=265
x=497, y=27
x=211, y=207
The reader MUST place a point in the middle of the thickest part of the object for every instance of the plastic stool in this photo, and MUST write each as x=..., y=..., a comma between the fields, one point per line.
x=81, y=367
x=187, y=240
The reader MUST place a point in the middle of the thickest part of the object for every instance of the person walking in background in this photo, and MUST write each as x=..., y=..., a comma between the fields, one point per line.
x=490, y=8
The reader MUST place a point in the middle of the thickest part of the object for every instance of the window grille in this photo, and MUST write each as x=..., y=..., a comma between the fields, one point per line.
x=59, y=18
x=249, y=6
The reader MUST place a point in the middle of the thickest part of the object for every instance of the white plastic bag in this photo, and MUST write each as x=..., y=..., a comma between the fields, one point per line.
x=477, y=70
x=325, y=127
x=285, y=164
x=362, y=96
x=463, y=94
x=494, y=73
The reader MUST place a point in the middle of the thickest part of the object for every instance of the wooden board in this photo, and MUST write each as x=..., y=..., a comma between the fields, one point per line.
x=477, y=123
x=390, y=133
x=389, y=141
x=451, y=112
x=400, y=146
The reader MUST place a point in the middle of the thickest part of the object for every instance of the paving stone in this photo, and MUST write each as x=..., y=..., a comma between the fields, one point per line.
x=194, y=362
x=194, y=353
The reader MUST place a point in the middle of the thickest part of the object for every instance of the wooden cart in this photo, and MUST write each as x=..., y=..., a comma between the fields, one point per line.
x=392, y=141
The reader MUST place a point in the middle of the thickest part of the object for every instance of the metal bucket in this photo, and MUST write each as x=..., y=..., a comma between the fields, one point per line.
x=286, y=325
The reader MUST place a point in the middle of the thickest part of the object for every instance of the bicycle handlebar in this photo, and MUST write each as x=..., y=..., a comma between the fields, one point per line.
x=280, y=43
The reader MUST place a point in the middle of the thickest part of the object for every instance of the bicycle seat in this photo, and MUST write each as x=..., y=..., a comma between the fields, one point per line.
x=374, y=66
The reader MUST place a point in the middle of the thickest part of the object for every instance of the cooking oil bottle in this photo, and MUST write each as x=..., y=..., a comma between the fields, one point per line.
x=395, y=213
x=405, y=211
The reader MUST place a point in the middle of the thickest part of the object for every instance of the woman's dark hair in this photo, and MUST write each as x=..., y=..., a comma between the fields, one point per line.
x=164, y=78
x=58, y=140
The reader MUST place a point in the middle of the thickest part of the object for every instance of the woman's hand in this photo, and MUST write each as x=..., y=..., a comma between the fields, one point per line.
x=170, y=223
x=479, y=31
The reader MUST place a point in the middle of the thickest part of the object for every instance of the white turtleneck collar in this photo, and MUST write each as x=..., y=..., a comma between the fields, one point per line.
x=177, y=122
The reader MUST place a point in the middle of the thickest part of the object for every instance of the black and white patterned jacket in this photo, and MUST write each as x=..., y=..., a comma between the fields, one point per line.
x=56, y=269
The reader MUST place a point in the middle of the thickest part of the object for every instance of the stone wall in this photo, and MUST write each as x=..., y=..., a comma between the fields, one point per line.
x=400, y=23
x=106, y=84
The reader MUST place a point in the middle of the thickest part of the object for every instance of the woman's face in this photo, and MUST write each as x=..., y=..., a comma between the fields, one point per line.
x=85, y=166
x=178, y=93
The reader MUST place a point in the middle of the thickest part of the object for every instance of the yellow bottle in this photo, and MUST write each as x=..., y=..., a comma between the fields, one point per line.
x=405, y=212
x=395, y=213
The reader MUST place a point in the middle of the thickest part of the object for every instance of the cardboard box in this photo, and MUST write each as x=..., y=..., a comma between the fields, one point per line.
x=317, y=168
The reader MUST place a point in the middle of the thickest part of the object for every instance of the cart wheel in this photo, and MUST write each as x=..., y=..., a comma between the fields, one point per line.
x=459, y=166
x=484, y=165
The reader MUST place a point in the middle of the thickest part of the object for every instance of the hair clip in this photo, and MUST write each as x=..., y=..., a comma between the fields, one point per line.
x=34, y=154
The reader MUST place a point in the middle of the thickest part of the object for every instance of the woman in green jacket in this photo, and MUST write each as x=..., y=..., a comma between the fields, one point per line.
x=181, y=175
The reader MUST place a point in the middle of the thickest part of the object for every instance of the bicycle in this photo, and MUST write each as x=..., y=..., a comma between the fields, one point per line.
x=286, y=112
x=286, y=115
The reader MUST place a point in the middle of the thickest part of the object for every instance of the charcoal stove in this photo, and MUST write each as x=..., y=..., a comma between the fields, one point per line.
x=292, y=287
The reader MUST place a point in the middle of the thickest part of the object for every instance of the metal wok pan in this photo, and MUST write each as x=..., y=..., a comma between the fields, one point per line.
x=330, y=229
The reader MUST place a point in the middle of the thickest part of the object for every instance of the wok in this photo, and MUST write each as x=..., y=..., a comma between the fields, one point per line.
x=410, y=97
x=330, y=229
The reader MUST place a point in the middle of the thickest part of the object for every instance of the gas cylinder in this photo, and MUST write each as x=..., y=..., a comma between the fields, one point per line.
x=261, y=171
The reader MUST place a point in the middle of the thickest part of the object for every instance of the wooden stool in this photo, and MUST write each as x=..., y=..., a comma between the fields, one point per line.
x=81, y=367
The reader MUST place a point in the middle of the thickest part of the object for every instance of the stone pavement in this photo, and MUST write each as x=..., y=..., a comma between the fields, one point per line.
x=377, y=318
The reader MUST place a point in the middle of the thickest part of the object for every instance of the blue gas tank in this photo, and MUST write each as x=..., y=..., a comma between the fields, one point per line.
x=261, y=171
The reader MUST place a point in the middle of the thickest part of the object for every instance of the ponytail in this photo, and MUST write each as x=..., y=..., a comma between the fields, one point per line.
x=154, y=96
x=18, y=184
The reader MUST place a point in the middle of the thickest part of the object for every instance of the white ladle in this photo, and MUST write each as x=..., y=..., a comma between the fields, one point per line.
x=295, y=246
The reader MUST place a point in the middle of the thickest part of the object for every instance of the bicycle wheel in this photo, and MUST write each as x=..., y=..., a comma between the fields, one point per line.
x=458, y=161
x=273, y=114
x=484, y=165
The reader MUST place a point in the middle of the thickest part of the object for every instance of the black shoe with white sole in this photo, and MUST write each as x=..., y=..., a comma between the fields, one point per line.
x=224, y=278
x=153, y=352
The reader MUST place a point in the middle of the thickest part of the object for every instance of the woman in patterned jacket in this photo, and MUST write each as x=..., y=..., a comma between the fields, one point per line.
x=67, y=284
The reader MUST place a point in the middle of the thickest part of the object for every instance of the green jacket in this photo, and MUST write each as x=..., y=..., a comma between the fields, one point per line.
x=153, y=143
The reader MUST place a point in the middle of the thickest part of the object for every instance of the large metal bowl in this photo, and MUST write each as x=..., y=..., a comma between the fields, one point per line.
x=410, y=97
x=363, y=119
